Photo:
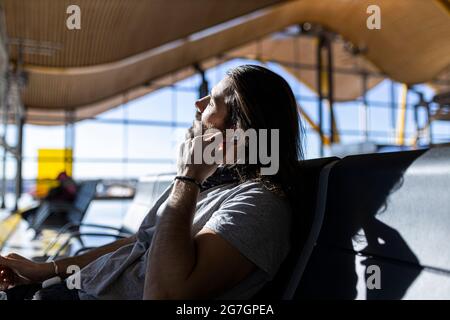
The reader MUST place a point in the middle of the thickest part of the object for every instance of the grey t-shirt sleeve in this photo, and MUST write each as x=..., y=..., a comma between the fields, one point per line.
x=257, y=223
x=151, y=217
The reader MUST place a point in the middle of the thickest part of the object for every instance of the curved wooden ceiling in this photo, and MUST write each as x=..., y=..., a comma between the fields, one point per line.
x=124, y=44
x=111, y=30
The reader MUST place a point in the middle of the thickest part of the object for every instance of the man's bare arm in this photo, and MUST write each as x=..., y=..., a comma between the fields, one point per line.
x=84, y=259
x=27, y=271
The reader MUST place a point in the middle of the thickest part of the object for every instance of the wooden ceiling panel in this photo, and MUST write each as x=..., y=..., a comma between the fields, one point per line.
x=110, y=30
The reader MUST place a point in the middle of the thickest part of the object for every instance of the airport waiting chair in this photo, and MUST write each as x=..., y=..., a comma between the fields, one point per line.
x=310, y=184
x=385, y=230
x=148, y=190
x=54, y=215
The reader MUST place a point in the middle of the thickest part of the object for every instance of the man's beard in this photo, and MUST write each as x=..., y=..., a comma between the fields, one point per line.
x=199, y=128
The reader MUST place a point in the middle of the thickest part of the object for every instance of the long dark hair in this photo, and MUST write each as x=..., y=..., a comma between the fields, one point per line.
x=261, y=99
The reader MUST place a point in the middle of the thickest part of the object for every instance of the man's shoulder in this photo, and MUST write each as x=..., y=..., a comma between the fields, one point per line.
x=258, y=188
x=256, y=192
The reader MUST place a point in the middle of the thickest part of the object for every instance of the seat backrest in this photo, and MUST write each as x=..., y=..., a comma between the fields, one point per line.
x=386, y=229
x=57, y=214
x=148, y=190
x=308, y=185
x=85, y=194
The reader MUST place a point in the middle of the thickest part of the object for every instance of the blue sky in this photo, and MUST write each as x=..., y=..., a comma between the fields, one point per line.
x=152, y=149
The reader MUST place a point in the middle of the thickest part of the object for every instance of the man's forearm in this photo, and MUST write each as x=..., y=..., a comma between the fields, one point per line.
x=172, y=253
x=84, y=259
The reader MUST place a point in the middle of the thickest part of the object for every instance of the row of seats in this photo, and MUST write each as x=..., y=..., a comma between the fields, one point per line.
x=379, y=228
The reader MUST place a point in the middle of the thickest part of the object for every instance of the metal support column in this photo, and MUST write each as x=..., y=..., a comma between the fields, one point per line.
x=330, y=84
x=203, y=89
x=19, y=157
x=5, y=112
x=320, y=46
x=18, y=82
x=429, y=123
x=366, y=106
x=393, y=105
x=69, y=136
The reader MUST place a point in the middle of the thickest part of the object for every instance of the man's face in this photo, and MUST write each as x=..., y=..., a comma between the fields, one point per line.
x=213, y=113
x=212, y=108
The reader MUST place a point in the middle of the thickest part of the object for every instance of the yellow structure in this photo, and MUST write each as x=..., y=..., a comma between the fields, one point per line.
x=8, y=226
x=51, y=162
x=401, y=122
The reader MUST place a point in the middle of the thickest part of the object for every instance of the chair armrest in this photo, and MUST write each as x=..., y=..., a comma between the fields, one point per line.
x=70, y=226
x=80, y=234
x=100, y=226
x=81, y=250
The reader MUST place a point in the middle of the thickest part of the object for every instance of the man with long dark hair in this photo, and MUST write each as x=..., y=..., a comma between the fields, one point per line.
x=204, y=239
